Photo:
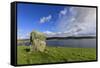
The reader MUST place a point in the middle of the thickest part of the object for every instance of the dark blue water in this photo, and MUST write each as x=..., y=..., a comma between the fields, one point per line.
x=88, y=43
x=84, y=43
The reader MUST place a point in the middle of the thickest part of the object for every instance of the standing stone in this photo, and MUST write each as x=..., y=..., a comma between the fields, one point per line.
x=37, y=40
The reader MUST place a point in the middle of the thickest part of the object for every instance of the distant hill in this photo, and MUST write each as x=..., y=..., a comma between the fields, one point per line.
x=72, y=37
x=69, y=37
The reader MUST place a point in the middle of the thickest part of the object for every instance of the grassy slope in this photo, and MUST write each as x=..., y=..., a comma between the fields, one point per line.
x=55, y=54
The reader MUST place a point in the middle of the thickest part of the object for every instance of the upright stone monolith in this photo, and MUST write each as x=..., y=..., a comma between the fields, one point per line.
x=37, y=40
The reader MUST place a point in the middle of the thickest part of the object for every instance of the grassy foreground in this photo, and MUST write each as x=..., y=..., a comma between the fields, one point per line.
x=54, y=54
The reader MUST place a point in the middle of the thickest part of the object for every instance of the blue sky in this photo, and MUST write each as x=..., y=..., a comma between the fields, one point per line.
x=55, y=20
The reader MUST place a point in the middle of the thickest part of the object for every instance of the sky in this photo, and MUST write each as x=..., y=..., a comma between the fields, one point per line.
x=55, y=21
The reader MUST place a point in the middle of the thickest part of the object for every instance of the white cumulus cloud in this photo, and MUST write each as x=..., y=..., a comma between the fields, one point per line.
x=63, y=12
x=45, y=19
x=49, y=32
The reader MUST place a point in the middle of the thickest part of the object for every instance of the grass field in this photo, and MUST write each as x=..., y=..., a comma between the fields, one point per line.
x=54, y=54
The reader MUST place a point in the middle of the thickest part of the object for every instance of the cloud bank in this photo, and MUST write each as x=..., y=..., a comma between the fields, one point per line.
x=79, y=21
